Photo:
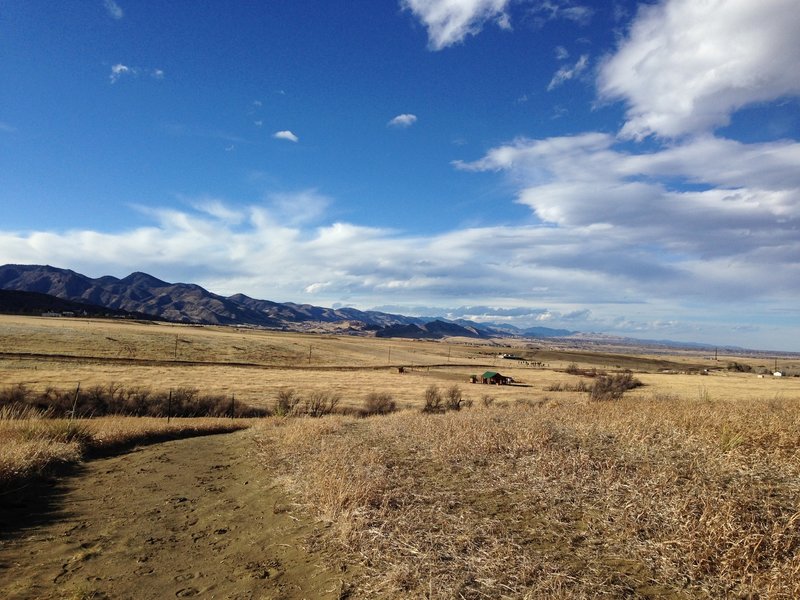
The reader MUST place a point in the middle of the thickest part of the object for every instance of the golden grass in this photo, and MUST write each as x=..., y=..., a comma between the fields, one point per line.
x=32, y=444
x=114, y=352
x=646, y=497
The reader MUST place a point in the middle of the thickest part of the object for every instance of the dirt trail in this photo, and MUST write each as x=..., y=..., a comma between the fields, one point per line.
x=193, y=517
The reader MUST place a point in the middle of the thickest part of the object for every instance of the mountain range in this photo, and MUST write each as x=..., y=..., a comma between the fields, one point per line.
x=145, y=295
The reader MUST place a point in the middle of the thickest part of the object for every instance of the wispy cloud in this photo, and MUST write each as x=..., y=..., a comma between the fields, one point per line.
x=404, y=120
x=449, y=21
x=113, y=9
x=119, y=71
x=567, y=72
x=552, y=10
x=679, y=72
x=286, y=135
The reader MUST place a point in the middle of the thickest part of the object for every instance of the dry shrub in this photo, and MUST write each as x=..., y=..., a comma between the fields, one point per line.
x=434, y=403
x=286, y=402
x=113, y=399
x=559, y=500
x=453, y=398
x=319, y=403
x=612, y=387
x=560, y=386
x=379, y=403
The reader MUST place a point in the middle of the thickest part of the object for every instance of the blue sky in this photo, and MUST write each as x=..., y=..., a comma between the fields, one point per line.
x=622, y=167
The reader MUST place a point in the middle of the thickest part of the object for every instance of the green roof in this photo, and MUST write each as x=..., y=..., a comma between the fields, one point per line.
x=490, y=374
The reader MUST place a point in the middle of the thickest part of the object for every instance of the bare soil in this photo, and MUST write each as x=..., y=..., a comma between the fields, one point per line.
x=180, y=519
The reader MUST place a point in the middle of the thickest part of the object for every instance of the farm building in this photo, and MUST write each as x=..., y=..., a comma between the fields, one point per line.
x=495, y=378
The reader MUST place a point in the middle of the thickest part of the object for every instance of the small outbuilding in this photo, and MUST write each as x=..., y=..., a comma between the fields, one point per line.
x=495, y=378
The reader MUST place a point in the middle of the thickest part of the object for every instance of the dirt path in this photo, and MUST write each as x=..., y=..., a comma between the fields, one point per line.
x=192, y=517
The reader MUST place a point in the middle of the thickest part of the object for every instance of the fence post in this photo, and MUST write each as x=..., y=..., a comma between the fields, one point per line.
x=75, y=402
x=233, y=405
x=169, y=406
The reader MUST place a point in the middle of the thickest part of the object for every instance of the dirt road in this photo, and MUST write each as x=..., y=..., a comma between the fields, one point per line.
x=193, y=517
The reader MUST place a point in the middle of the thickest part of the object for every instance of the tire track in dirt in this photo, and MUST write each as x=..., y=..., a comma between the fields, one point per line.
x=192, y=517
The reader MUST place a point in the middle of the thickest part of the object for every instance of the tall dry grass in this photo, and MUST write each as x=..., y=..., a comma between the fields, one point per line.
x=658, y=498
x=32, y=443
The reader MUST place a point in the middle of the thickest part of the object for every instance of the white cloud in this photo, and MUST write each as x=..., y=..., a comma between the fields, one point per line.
x=118, y=71
x=285, y=135
x=707, y=218
x=550, y=10
x=449, y=21
x=113, y=9
x=605, y=249
x=296, y=208
x=566, y=73
x=686, y=66
x=404, y=120
x=561, y=53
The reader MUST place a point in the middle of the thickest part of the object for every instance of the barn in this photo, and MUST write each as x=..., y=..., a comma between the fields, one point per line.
x=495, y=378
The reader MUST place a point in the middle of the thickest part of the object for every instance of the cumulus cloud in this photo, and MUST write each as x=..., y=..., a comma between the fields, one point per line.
x=601, y=247
x=686, y=66
x=286, y=135
x=705, y=217
x=404, y=120
x=113, y=9
x=449, y=21
x=567, y=72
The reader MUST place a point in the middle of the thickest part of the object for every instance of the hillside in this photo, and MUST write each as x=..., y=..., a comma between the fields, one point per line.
x=190, y=303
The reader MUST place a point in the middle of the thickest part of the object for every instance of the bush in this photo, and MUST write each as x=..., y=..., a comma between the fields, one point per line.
x=487, y=400
x=453, y=398
x=379, y=403
x=612, y=387
x=286, y=402
x=559, y=386
x=112, y=399
x=320, y=402
x=433, y=400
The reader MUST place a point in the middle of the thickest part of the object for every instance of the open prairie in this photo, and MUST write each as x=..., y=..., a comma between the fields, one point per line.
x=253, y=365
x=686, y=487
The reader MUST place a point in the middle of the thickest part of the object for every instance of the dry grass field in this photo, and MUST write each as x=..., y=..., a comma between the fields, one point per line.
x=638, y=498
x=688, y=487
x=255, y=365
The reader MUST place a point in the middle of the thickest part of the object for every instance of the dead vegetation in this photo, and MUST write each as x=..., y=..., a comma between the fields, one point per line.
x=113, y=399
x=634, y=498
